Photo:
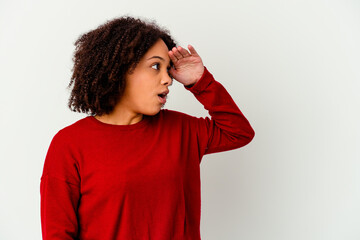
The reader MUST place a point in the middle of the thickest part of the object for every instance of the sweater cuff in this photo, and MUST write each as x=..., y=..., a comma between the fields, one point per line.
x=202, y=83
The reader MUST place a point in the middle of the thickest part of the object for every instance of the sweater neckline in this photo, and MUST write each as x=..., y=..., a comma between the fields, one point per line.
x=144, y=121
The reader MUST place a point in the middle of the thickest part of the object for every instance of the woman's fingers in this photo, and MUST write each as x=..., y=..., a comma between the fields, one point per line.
x=192, y=50
x=183, y=52
x=177, y=53
x=172, y=56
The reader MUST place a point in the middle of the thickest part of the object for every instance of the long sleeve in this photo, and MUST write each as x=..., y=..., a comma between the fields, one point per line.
x=138, y=181
x=60, y=192
x=228, y=128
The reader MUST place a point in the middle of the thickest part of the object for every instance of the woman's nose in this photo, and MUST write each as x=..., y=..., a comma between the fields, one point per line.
x=167, y=79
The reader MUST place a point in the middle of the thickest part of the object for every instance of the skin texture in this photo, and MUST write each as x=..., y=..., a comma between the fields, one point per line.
x=151, y=77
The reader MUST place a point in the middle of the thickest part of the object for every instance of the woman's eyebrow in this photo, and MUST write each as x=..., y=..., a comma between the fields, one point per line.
x=157, y=57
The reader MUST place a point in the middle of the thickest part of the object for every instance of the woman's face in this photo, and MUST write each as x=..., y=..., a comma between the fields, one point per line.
x=149, y=78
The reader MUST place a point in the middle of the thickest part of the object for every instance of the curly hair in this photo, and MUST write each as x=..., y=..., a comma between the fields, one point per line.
x=102, y=58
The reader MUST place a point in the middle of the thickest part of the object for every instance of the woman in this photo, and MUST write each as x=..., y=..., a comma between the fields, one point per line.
x=131, y=170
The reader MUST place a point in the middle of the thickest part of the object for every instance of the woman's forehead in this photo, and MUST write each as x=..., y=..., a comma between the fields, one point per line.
x=158, y=49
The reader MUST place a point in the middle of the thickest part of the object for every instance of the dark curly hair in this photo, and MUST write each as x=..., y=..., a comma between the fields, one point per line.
x=104, y=55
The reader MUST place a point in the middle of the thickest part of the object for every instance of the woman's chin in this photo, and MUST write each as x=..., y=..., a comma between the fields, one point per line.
x=153, y=112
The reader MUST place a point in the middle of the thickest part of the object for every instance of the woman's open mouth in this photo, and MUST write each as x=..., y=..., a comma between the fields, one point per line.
x=162, y=98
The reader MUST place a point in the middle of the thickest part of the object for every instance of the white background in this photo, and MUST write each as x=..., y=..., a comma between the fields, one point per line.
x=293, y=68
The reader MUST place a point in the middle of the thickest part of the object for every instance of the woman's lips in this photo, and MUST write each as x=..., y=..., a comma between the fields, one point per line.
x=162, y=99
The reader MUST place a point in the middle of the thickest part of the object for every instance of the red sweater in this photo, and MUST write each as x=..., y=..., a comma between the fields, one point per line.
x=141, y=181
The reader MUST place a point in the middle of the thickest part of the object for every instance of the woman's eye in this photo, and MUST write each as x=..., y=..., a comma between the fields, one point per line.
x=168, y=68
x=157, y=64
